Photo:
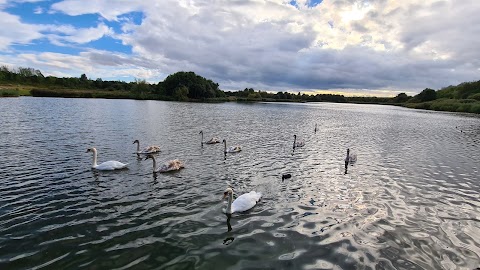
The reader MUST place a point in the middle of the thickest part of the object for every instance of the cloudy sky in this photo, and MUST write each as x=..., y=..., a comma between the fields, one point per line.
x=376, y=47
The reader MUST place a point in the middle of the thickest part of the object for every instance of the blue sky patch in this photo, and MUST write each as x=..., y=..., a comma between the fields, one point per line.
x=110, y=44
x=45, y=46
x=314, y=3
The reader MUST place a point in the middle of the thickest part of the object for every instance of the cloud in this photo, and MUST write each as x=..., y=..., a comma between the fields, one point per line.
x=38, y=10
x=271, y=45
x=108, y=9
x=13, y=31
x=67, y=33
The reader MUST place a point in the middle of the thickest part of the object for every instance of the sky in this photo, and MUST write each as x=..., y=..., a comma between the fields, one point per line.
x=350, y=47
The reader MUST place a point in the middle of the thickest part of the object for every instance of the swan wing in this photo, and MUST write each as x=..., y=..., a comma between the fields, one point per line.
x=234, y=149
x=246, y=201
x=213, y=140
x=301, y=144
x=150, y=149
x=111, y=165
x=171, y=165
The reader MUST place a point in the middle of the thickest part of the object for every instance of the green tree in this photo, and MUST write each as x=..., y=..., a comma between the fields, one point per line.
x=401, y=98
x=426, y=95
x=181, y=93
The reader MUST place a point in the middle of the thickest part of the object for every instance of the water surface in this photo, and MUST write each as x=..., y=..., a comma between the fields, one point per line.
x=410, y=201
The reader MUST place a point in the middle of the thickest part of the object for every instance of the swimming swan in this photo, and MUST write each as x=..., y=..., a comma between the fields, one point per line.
x=147, y=150
x=350, y=158
x=297, y=144
x=105, y=166
x=231, y=149
x=242, y=203
x=168, y=166
x=213, y=140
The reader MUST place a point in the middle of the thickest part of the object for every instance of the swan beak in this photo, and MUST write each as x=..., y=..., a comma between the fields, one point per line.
x=225, y=194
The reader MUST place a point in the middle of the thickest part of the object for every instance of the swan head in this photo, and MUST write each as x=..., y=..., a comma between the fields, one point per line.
x=91, y=149
x=295, y=136
x=348, y=151
x=136, y=141
x=227, y=192
x=201, y=132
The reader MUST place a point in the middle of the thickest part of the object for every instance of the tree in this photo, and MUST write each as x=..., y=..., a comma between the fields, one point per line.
x=181, y=93
x=426, y=95
x=400, y=98
x=198, y=87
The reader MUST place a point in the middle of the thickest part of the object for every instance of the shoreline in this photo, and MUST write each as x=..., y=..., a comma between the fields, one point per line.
x=112, y=95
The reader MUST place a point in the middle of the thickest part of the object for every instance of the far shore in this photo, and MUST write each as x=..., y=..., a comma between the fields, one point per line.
x=449, y=105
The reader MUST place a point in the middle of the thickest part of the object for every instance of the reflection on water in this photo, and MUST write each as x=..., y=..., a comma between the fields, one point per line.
x=409, y=202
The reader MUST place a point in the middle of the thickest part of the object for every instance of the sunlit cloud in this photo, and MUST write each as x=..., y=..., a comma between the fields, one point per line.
x=379, y=47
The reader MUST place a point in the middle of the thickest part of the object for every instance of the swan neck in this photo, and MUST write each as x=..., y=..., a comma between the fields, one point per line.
x=229, y=206
x=224, y=146
x=154, y=163
x=138, y=146
x=94, y=163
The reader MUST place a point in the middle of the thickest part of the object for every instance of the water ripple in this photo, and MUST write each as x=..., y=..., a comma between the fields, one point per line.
x=410, y=201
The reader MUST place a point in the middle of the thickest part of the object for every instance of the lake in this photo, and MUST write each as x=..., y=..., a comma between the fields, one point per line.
x=409, y=202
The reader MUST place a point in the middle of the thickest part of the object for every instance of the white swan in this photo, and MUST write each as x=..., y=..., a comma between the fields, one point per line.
x=107, y=165
x=147, y=150
x=297, y=144
x=168, y=166
x=242, y=203
x=213, y=140
x=231, y=149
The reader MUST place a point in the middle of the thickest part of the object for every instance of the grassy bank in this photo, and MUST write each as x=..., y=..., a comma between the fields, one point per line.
x=9, y=90
x=9, y=93
x=441, y=104
x=78, y=93
x=449, y=105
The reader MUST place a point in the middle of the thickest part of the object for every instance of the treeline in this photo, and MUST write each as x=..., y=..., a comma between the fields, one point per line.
x=464, y=97
x=249, y=94
x=188, y=86
x=182, y=86
x=178, y=86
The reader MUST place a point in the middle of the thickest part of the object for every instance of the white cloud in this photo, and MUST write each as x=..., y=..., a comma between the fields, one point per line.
x=13, y=31
x=38, y=10
x=107, y=9
x=68, y=33
x=271, y=45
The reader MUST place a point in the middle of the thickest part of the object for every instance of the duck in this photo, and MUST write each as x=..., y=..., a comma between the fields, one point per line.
x=168, y=166
x=243, y=203
x=213, y=140
x=297, y=144
x=152, y=149
x=107, y=165
x=231, y=149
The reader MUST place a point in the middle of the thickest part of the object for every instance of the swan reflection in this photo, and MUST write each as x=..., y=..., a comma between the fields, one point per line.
x=227, y=241
x=229, y=226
